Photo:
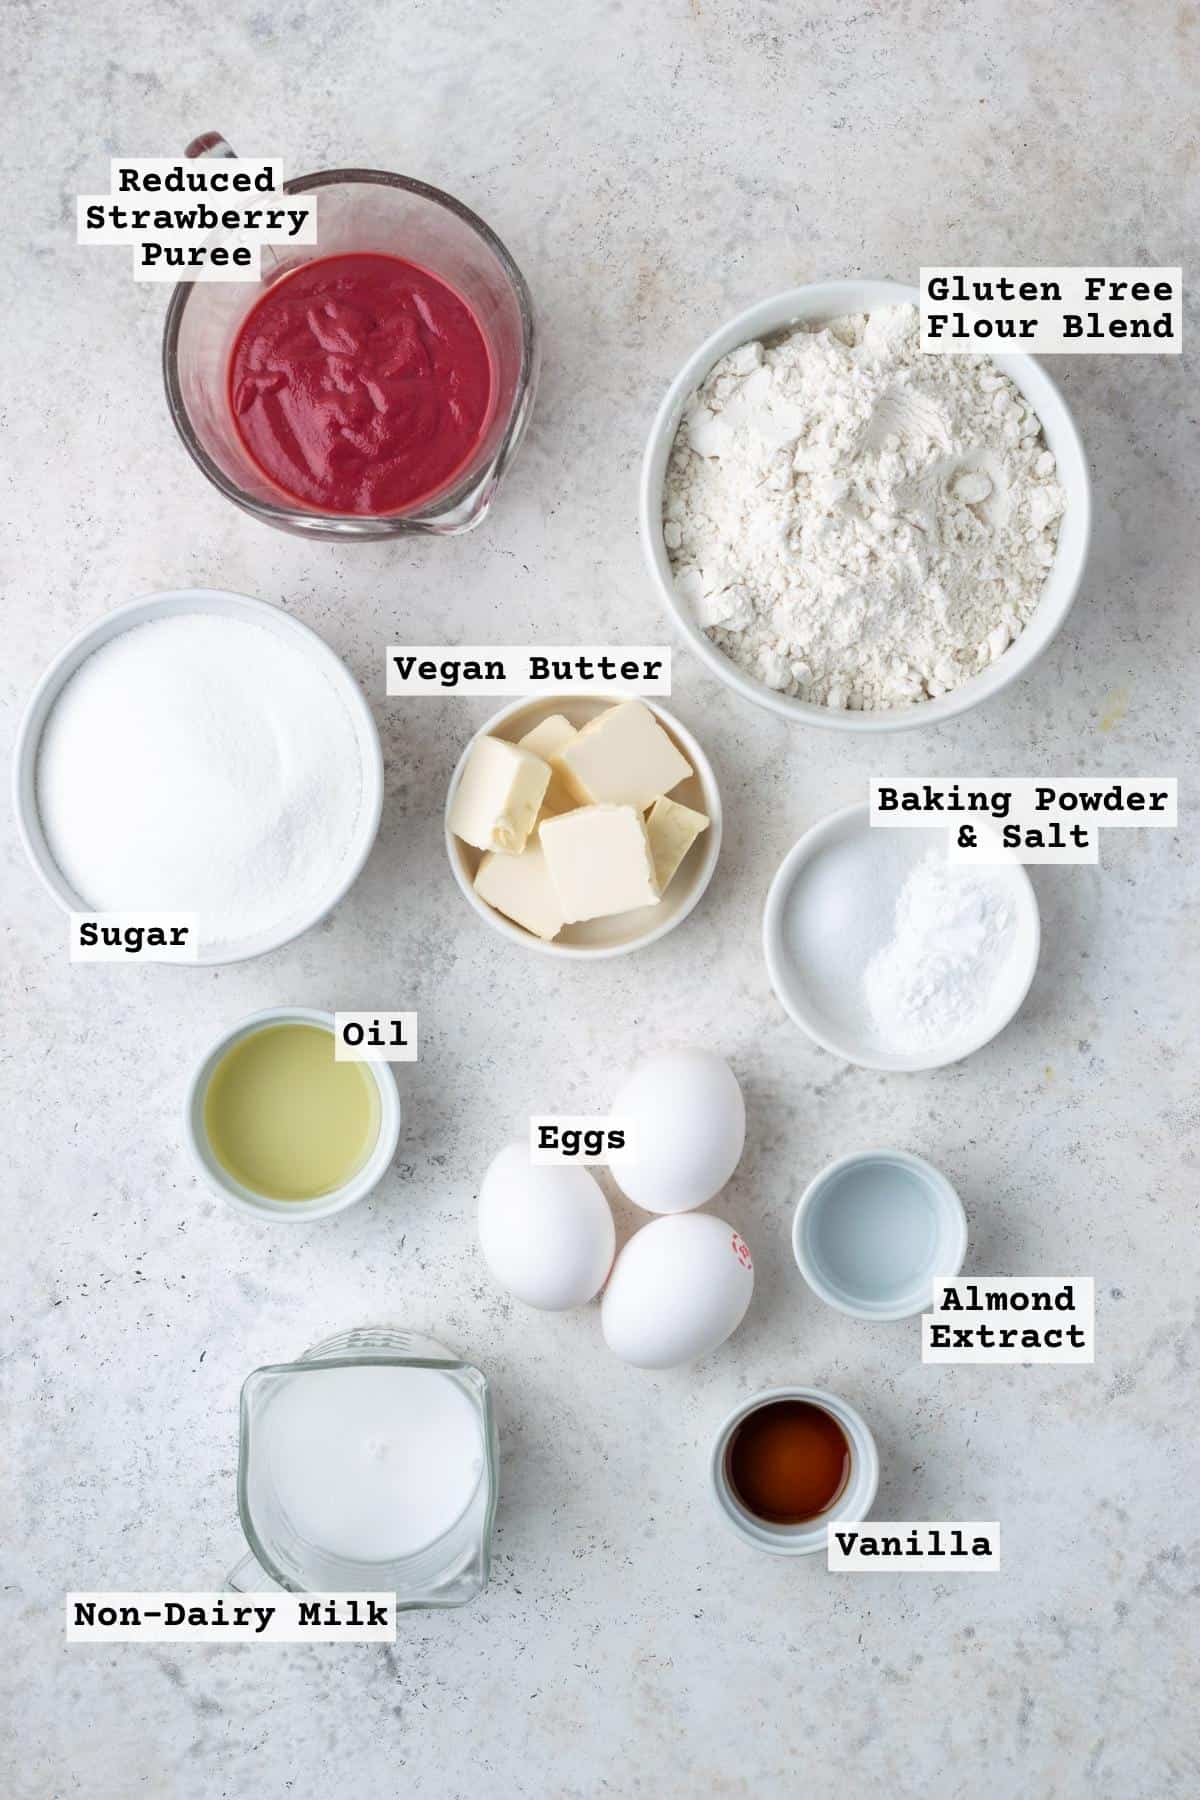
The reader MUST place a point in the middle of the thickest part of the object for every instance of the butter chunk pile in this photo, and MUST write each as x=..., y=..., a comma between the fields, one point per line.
x=573, y=824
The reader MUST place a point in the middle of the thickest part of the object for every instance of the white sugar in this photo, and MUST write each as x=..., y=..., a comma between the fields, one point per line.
x=200, y=764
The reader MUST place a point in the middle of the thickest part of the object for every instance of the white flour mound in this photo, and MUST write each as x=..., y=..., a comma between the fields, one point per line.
x=855, y=523
x=952, y=935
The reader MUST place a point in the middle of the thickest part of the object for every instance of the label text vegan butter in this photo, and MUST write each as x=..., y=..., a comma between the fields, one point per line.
x=498, y=669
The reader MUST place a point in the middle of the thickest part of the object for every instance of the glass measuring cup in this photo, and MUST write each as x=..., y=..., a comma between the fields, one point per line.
x=357, y=210
x=449, y=1570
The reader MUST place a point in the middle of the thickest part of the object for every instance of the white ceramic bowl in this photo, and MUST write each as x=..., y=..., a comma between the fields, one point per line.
x=816, y=305
x=901, y=1224
x=254, y=612
x=615, y=936
x=244, y=1199
x=854, y=1503
x=818, y=891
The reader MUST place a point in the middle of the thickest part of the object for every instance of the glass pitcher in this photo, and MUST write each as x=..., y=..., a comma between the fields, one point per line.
x=309, y=1517
x=357, y=210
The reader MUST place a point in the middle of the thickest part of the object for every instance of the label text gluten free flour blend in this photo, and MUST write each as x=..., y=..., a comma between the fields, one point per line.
x=856, y=524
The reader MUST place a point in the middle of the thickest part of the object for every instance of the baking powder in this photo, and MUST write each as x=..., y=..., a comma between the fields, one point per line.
x=933, y=980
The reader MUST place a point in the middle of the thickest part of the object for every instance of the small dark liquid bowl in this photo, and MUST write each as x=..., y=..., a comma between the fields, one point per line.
x=852, y=1502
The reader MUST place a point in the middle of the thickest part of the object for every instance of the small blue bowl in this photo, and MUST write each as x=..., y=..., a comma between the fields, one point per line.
x=874, y=1229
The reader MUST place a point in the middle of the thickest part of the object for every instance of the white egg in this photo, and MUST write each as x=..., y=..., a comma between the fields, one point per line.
x=679, y=1288
x=546, y=1233
x=688, y=1121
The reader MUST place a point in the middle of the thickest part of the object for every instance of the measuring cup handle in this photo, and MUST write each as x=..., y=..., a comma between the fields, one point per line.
x=249, y=1577
x=209, y=143
x=212, y=144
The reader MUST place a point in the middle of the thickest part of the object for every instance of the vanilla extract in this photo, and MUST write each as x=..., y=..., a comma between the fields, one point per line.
x=788, y=1461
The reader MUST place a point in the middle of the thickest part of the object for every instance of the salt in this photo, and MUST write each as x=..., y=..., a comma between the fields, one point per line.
x=200, y=763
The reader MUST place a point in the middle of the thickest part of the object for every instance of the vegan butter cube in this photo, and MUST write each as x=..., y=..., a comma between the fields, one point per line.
x=623, y=758
x=520, y=887
x=599, y=861
x=672, y=830
x=498, y=798
x=544, y=741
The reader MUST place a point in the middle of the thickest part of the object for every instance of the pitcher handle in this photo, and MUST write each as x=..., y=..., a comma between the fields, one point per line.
x=249, y=1577
x=212, y=143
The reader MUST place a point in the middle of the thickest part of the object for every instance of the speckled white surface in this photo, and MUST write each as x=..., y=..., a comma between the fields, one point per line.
x=653, y=169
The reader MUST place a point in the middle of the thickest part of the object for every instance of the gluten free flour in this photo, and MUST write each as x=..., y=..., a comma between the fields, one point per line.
x=857, y=524
x=199, y=763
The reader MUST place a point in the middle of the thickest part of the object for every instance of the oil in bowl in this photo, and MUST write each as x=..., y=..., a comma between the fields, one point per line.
x=285, y=1119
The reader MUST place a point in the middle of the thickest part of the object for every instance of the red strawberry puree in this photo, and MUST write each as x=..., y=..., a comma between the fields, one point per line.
x=360, y=384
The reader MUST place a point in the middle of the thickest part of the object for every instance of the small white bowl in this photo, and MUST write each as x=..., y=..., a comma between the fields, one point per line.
x=873, y=1229
x=253, y=612
x=244, y=1199
x=623, y=932
x=854, y=1502
x=817, y=305
x=825, y=869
